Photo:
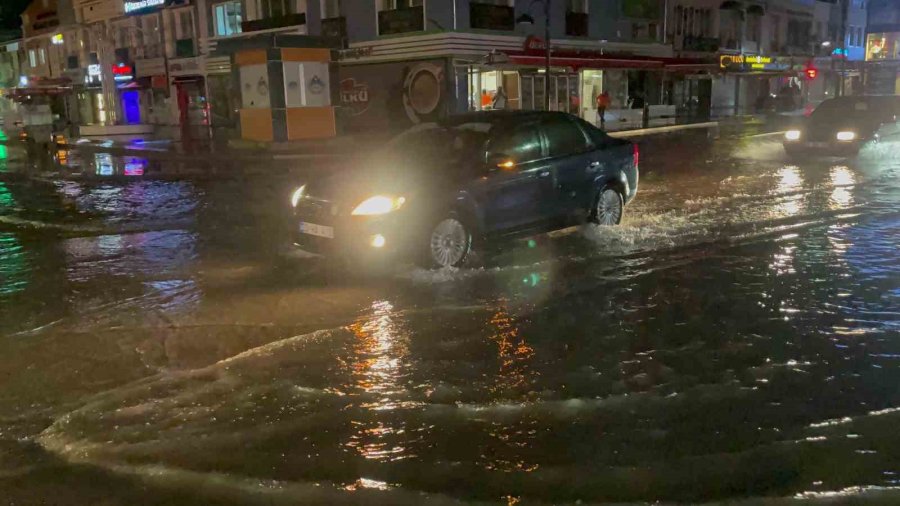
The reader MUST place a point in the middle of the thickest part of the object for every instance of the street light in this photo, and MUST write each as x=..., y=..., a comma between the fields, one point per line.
x=526, y=19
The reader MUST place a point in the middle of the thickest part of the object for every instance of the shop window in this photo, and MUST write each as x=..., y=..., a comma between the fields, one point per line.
x=883, y=46
x=227, y=18
x=563, y=137
x=522, y=145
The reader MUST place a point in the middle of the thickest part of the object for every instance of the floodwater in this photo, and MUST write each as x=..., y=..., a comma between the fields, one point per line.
x=737, y=338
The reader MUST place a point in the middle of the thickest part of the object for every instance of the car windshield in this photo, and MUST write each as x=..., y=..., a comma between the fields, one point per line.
x=432, y=142
x=864, y=109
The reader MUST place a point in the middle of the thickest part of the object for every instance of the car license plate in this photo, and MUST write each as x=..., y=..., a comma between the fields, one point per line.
x=818, y=144
x=316, y=230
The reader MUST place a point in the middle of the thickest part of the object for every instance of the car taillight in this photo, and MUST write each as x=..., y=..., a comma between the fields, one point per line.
x=637, y=155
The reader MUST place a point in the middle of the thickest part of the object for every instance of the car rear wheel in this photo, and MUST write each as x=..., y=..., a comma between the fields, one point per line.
x=449, y=243
x=609, y=208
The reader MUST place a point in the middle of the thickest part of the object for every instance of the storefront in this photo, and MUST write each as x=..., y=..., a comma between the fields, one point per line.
x=151, y=87
x=188, y=80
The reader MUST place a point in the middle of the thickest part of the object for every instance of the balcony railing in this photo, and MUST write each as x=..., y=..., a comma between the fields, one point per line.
x=700, y=44
x=410, y=19
x=491, y=17
x=577, y=24
x=274, y=22
x=335, y=27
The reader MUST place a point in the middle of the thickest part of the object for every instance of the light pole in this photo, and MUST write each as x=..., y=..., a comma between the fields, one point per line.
x=526, y=19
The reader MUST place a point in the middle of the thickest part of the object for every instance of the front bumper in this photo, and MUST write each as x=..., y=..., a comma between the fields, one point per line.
x=824, y=148
x=353, y=236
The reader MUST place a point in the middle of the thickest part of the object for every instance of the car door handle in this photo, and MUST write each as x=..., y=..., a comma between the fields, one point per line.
x=594, y=165
x=544, y=173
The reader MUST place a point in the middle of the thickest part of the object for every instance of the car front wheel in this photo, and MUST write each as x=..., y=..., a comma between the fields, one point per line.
x=449, y=243
x=609, y=208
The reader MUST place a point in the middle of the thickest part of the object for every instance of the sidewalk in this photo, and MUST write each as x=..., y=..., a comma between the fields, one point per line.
x=236, y=151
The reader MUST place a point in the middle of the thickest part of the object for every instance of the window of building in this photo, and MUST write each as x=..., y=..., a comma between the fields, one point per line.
x=579, y=6
x=43, y=56
x=185, y=24
x=506, y=3
x=227, y=18
x=332, y=9
x=389, y=5
x=754, y=27
x=563, y=137
x=150, y=35
x=32, y=58
x=277, y=8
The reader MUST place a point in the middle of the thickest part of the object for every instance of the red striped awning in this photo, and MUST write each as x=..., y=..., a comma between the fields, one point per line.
x=590, y=63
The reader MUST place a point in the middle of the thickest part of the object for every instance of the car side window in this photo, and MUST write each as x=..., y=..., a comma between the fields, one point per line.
x=563, y=137
x=598, y=137
x=522, y=144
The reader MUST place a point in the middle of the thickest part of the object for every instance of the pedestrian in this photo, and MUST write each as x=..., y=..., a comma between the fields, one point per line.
x=485, y=99
x=602, y=104
x=500, y=99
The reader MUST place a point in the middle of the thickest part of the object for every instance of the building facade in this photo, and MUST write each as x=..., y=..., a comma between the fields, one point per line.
x=773, y=55
x=170, y=63
x=883, y=47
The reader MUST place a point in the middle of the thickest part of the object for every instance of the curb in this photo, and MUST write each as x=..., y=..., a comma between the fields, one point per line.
x=662, y=130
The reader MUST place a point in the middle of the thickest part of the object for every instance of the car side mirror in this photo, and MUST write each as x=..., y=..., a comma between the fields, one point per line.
x=500, y=161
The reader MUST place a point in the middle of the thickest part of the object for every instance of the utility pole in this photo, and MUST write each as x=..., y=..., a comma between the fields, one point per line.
x=106, y=57
x=547, y=55
x=844, y=5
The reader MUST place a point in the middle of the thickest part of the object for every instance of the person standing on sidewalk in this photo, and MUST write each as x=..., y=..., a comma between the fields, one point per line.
x=602, y=103
x=500, y=99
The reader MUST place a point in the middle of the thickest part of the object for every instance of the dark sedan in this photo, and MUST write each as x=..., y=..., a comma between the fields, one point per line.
x=438, y=188
x=841, y=126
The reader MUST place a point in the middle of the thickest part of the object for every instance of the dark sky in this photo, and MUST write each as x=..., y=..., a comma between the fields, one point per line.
x=9, y=13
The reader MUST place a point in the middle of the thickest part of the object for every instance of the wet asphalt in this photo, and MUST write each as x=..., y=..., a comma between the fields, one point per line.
x=736, y=338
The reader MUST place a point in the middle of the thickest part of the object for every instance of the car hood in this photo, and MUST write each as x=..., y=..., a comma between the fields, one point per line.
x=366, y=177
x=827, y=130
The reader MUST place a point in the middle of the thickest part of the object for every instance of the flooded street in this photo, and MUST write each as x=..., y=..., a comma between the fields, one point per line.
x=737, y=337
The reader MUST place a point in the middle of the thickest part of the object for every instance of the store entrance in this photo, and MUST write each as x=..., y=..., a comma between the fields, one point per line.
x=486, y=86
x=563, y=92
x=192, y=112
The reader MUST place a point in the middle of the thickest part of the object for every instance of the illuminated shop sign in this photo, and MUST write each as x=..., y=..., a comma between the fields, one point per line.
x=132, y=6
x=750, y=62
x=122, y=72
x=142, y=6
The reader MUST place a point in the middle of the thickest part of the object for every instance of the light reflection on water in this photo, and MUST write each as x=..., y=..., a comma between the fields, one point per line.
x=842, y=179
x=789, y=186
x=378, y=370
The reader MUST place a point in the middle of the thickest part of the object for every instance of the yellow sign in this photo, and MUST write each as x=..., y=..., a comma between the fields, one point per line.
x=756, y=62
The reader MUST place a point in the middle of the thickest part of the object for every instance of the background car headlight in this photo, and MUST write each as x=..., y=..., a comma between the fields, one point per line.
x=792, y=135
x=297, y=195
x=846, y=136
x=378, y=204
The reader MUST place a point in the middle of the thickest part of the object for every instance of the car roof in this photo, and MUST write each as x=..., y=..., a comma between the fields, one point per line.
x=865, y=98
x=498, y=117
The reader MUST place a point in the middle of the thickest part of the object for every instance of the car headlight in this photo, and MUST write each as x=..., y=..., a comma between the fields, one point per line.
x=846, y=136
x=378, y=204
x=792, y=135
x=297, y=195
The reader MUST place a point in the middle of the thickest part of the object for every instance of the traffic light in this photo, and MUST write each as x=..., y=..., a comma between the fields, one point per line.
x=811, y=73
